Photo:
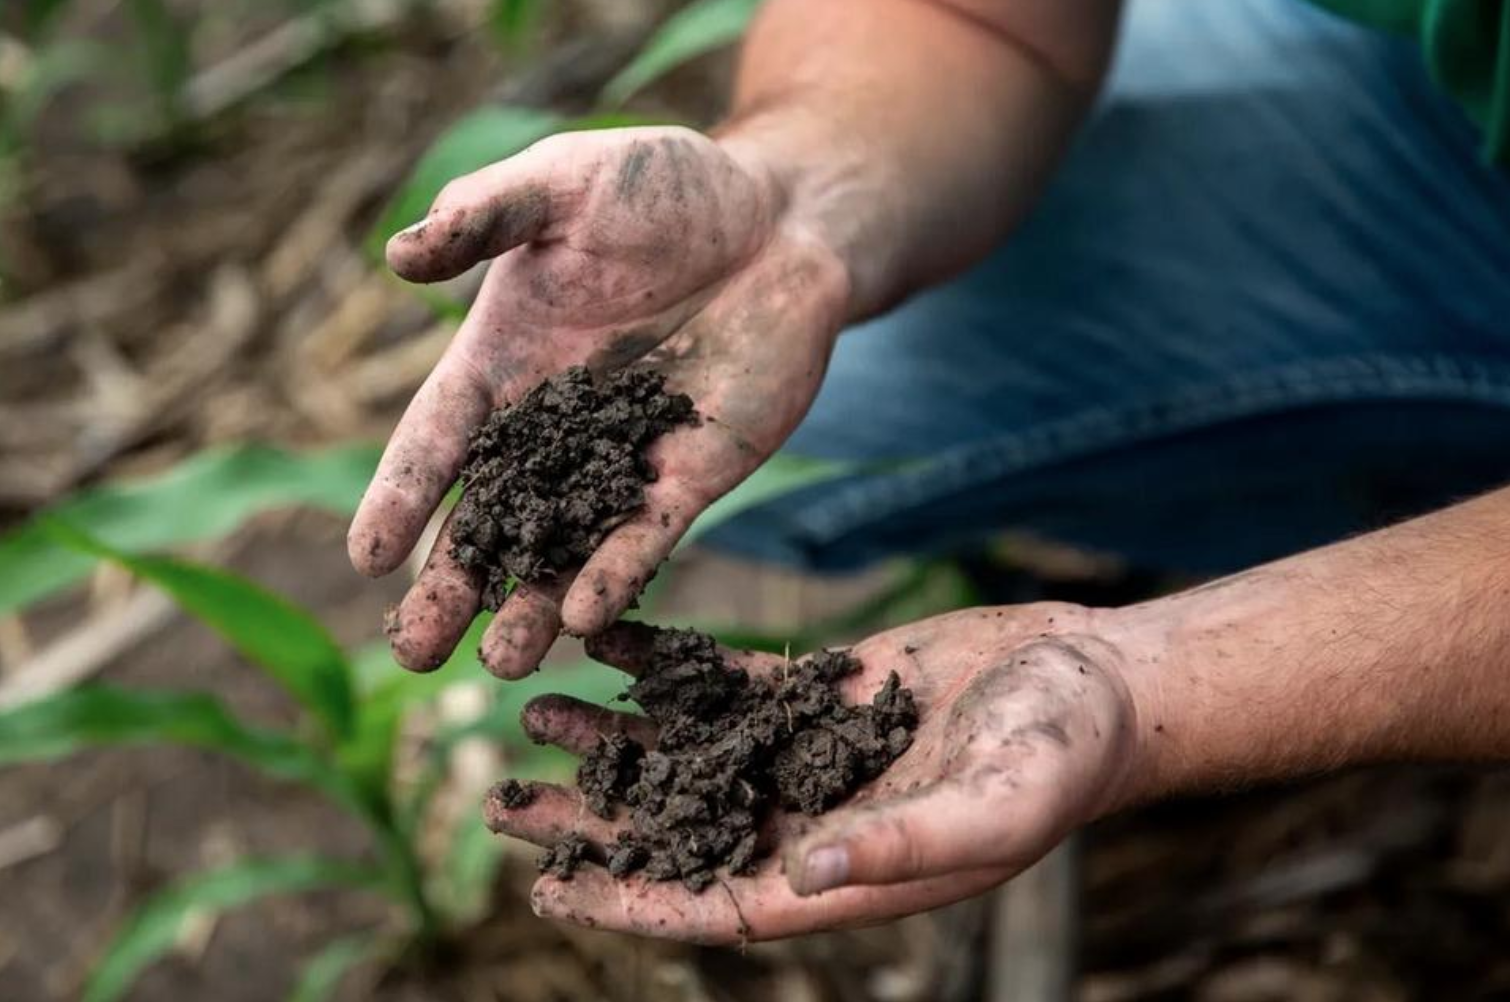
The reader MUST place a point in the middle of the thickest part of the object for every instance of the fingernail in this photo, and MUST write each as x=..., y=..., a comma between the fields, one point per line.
x=825, y=867
x=414, y=229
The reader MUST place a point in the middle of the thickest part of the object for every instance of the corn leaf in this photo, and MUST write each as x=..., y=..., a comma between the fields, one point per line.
x=280, y=638
x=93, y=716
x=153, y=928
x=513, y=22
x=322, y=973
x=204, y=497
x=38, y=16
x=388, y=690
x=469, y=870
x=696, y=29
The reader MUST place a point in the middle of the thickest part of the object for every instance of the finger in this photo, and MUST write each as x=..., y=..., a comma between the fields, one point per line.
x=738, y=910
x=551, y=814
x=476, y=217
x=419, y=465
x=579, y=727
x=616, y=573
x=630, y=647
x=436, y=611
x=945, y=828
x=694, y=466
x=524, y=628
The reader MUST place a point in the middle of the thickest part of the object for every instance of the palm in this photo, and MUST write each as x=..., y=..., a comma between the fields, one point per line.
x=1023, y=726
x=615, y=247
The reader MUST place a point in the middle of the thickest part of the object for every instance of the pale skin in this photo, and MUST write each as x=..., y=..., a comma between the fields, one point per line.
x=731, y=263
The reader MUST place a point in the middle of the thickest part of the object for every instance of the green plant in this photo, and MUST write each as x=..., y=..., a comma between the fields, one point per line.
x=695, y=30
x=205, y=497
x=343, y=747
x=513, y=23
x=351, y=703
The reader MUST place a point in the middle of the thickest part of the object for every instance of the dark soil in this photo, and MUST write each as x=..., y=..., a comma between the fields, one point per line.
x=549, y=477
x=563, y=858
x=732, y=748
x=513, y=794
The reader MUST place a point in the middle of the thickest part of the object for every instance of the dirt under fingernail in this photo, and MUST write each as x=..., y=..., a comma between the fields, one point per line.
x=548, y=478
x=732, y=749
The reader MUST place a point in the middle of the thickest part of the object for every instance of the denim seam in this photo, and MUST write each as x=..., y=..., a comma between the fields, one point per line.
x=1350, y=379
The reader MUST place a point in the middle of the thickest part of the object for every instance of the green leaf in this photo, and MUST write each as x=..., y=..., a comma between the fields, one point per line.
x=388, y=691
x=470, y=868
x=323, y=972
x=39, y=15
x=94, y=715
x=781, y=474
x=163, y=51
x=204, y=497
x=696, y=29
x=153, y=928
x=513, y=22
x=282, y=639
x=473, y=141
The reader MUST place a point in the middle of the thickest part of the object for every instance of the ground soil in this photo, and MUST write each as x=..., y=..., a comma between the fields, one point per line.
x=549, y=477
x=732, y=748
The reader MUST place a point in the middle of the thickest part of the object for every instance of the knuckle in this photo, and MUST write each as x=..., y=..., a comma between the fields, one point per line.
x=905, y=853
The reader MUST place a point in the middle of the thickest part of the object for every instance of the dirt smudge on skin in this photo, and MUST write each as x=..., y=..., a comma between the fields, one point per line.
x=548, y=478
x=624, y=349
x=632, y=170
x=732, y=748
x=451, y=240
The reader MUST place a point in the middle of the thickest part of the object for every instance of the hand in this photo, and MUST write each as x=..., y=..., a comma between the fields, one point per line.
x=610, y=247
x=1027, y=730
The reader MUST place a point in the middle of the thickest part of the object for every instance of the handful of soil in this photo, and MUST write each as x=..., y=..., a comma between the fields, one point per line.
x=731, y=749
x=549, y=477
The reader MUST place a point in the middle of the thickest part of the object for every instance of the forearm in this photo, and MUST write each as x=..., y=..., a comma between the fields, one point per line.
x=911, y=134
x=1391, y=646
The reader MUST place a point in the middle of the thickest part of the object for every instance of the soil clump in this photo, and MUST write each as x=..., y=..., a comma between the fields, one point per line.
x=548, y=478
x=732, y=748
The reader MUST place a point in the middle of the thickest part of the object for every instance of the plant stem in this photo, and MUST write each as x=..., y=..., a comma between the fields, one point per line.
x=409, y=882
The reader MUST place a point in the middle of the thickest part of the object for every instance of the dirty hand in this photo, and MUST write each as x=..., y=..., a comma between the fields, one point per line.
x=1027, y=731
x=609, y=248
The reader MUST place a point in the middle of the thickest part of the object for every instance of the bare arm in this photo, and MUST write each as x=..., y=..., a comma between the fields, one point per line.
x=876, y=144
x=1038, y=719
x=1391, y=646
x=911, y=134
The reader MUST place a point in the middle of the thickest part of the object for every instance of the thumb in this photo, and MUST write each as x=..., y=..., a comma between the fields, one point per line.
x=476, y=217
x=939, y=830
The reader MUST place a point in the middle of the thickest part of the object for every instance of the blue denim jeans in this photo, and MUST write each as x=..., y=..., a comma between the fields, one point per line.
x=1265, y=304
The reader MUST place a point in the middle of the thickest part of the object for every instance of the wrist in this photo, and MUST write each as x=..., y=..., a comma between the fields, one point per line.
x=823, y=194
x=1386, y=647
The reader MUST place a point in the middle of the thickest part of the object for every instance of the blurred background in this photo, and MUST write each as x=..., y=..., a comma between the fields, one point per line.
x=214, y=783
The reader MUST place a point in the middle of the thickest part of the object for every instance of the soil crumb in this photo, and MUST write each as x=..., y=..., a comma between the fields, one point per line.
x=513, y=794
x=549, y=477
x=562, y=859
x=733, y=747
